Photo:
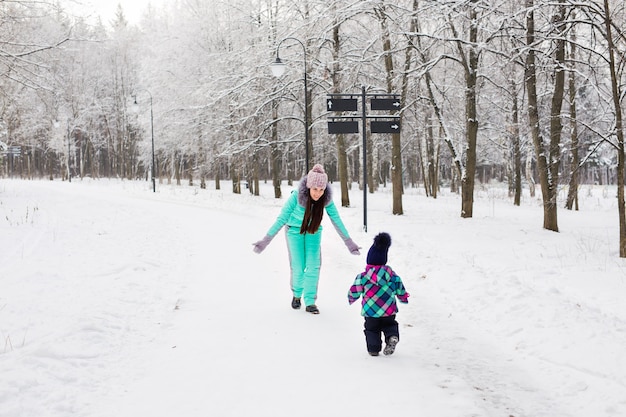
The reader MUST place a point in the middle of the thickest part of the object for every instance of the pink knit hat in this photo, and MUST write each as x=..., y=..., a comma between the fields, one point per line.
x=317, y=177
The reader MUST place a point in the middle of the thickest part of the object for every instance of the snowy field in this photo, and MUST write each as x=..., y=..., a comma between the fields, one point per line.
x=119, y=302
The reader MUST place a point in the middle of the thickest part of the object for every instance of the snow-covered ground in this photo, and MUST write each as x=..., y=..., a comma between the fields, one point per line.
x=116, y=301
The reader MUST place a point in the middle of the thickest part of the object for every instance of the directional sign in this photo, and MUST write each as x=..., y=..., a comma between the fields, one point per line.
x=336, y=128
x=341, y=104
x=14, y=150
x=385, y=104
x=385, y=126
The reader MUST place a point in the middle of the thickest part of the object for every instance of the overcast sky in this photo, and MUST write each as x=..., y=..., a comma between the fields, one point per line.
x=106, y=9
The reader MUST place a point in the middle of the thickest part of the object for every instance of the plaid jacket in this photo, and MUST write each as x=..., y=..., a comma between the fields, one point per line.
x=379, y=286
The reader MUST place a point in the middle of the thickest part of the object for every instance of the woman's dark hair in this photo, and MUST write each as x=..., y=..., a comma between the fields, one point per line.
x=313, y=213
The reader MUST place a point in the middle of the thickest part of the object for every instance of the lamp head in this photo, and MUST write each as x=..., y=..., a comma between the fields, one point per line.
x=277, y=67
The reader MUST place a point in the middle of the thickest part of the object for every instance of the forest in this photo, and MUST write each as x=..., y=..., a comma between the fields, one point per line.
x=527, y=93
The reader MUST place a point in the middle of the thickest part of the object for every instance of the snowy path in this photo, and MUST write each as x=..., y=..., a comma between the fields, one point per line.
x=119, y=302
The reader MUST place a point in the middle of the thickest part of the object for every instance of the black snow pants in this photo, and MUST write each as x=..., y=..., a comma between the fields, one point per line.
x=374, y=326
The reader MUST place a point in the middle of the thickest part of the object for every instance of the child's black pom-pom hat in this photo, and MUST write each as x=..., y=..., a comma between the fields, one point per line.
x=377, y=255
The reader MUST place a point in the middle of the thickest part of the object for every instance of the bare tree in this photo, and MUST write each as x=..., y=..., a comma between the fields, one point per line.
x=548, y=158
x=342, y=157
x=469, y=62
x=396, y=145
x=572, y=194
x=617, y=94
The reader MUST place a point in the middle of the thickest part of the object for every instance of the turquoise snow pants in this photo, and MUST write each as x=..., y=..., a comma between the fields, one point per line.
x=305, y=259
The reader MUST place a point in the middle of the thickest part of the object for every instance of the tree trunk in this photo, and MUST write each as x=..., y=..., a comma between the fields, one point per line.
x=515, y=142
x=572, y=194
x=396, y=145
x=218, y=185
x=176, y=165
x=430, y=150
x=342, y=160
x=556, y=125
x=254, y=184
x=275, y=153
x=235, y=179
x=470, y=66
x=421, y=156
x=342, y=157
x=619, y=131
x=549, y=206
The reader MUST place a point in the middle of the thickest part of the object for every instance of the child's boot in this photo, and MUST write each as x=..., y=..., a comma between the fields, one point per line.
x=391, y=345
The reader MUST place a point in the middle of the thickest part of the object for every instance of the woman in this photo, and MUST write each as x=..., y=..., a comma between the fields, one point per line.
x=302, y=215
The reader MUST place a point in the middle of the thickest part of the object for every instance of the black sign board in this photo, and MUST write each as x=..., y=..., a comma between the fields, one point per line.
x=341, y=104
x=385, y=126
x=336, y=128
x=385, y=104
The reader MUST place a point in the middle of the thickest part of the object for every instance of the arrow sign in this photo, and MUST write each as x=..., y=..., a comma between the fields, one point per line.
x=341, y=104
x=385, y=104
x=337, y=128
x=385, y=126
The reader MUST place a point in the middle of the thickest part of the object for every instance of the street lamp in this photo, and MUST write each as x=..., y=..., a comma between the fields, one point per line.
x=152, y=136
x=278, y=69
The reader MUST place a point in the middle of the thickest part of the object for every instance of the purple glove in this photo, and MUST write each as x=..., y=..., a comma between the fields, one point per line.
x=352, y=247
x=262, y=244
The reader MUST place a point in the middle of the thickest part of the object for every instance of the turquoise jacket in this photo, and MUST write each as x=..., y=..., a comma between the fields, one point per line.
x=292, y=212
x=304, y=249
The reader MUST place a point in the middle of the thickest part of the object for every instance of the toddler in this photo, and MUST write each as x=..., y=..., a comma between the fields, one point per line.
x=379, y=286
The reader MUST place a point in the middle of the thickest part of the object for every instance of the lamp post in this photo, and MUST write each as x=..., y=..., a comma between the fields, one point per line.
x=152, y=137
x=278, y=69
